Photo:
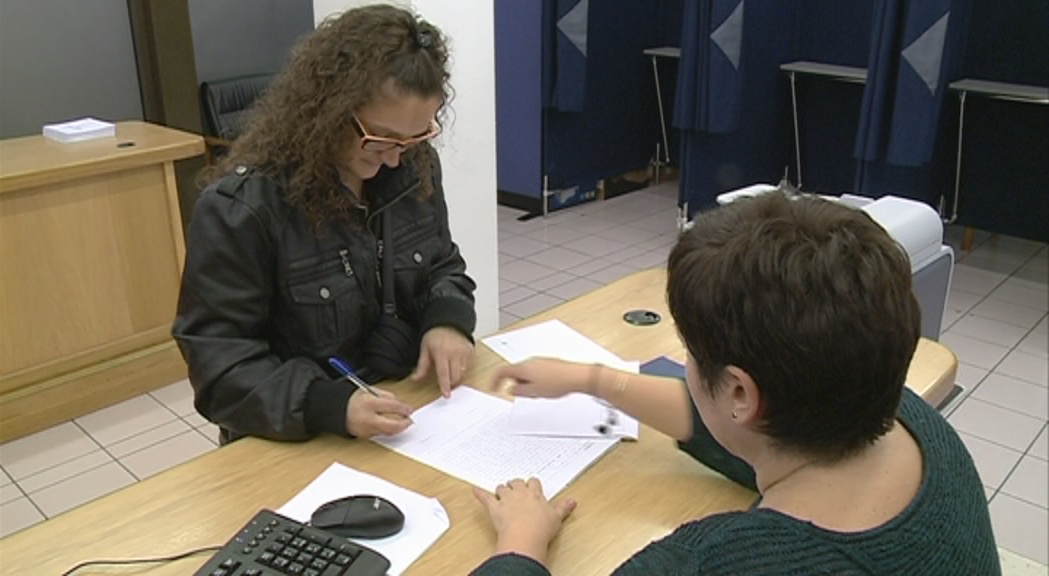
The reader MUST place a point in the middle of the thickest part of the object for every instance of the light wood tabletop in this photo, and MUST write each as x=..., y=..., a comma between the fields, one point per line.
x=638, y=492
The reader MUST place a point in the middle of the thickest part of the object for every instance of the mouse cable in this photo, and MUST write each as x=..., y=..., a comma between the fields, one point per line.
x=178, y=556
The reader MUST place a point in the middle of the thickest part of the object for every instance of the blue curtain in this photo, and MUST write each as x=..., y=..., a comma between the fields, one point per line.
x=917, y=49
x=731, y=105
x=710, y=77
x=565, y=54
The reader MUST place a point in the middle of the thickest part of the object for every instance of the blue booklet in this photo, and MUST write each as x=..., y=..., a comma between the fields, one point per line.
x=663, y=366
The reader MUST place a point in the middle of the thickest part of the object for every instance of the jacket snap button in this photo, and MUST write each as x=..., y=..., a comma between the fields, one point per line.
x=241, y=170
x=325, y=292
x=417, y=257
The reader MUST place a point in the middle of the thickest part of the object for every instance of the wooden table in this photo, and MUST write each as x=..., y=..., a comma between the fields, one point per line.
x=636, y=493
x=91, y=251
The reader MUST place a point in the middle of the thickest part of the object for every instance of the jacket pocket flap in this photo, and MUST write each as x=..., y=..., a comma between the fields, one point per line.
x=321, y=290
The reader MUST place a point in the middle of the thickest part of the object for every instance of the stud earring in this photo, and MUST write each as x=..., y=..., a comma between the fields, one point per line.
x=734, y=415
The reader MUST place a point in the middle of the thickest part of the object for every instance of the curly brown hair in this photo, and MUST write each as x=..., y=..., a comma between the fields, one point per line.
x=301, y=122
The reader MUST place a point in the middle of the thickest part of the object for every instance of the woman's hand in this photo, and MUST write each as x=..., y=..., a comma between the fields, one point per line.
x=524, y=520
x=546, y=377
x=448, y=352
x=368, y=415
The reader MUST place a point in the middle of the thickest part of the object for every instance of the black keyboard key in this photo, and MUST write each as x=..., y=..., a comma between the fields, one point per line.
x=284, y=546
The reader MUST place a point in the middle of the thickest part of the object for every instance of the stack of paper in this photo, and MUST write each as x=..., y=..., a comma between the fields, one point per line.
x=574, y=415
x=468, y=437
x=79, y=130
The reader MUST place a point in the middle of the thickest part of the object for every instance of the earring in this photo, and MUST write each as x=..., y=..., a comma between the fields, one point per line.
x=734, y=415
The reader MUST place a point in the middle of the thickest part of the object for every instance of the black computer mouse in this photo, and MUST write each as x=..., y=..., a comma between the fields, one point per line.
x=359, y=517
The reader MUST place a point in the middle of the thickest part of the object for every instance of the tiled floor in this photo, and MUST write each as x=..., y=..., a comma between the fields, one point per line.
x=996, y=323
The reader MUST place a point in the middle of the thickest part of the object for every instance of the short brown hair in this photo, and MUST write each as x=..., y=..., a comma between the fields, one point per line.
x=303, y=119
x=813, y=300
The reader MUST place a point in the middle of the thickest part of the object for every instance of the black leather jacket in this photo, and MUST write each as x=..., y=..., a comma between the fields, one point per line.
x=266, y=298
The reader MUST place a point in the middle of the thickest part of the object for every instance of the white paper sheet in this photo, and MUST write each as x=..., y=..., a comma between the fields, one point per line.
x=574, y=415
x=467, y=436
x=571, y=416
x=424, y=518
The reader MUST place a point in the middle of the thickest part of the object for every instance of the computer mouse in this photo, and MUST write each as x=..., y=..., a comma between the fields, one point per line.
x=359, y=517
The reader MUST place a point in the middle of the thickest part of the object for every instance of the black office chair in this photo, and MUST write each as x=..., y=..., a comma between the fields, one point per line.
x=225, y=105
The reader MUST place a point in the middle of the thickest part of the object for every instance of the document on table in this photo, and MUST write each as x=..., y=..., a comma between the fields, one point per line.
x=424, y=518
x=574, y=415
x=467, y=436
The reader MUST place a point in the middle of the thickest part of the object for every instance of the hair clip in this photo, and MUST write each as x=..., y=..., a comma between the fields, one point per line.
x=424, y=39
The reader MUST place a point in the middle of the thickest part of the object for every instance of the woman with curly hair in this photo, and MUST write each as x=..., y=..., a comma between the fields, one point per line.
x=324, y=233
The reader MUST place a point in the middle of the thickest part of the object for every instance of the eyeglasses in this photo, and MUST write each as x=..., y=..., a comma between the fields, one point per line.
x=380, y=144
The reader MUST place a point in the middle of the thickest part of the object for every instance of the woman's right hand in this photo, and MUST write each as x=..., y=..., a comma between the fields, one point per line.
x=368, y=415
x=546, y=377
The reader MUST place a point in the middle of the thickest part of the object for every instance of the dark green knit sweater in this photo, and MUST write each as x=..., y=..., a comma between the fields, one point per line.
x=945, y=529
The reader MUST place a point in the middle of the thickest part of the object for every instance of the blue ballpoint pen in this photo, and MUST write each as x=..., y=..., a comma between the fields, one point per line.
x=344, y=368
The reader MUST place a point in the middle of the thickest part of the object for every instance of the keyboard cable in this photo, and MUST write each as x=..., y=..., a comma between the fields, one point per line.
x=179, y=556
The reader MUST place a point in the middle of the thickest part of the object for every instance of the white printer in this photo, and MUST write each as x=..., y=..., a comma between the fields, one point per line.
x=918, y=229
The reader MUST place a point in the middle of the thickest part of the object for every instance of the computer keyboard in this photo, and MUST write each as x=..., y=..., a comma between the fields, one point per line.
x=271, y=544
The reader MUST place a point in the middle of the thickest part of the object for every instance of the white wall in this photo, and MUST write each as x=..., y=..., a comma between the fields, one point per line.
x=467, y=146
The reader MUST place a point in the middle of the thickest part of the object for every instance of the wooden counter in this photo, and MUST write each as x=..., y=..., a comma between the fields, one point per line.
x=91, y=250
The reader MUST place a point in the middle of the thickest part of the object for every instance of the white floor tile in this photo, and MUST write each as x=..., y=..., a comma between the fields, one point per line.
x=1035, y=343
x=31, y=454
x=611, y=274
x=589, y=268
x=553, y=280
x=505, y=284
x=1003, y=311
x=1040, y=448
x=556, y=236
x=195, y=420
x=4, y=478
x=210, y=432
x=973, y=351
x=574, y=288
x=598, y=246
x=559, y=258
x=178, y=397
x=1003, y=263
x=993, y=462
x=990, y=330
x=655, y=259
x=1014, y=394
x=515, y=295
x=125, y=419
x=1022, y=293
x=506, y=319
x=166, y=454
x=9, y=492
x=64, y=471
x=85, y=487
x=532, y=305
x=996, y=424
x=148, y=438
x=1029, y=481
x=18, y=514
x=524, y=272
x=1020, y=527
x=950, y=316
x=975, y=280
x=1014, y=564
x=962, y=301
x=1025, y=367
x=521, y=246
x=969, y=376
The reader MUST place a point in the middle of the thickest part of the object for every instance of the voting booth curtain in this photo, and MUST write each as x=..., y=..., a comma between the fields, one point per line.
x=575, y=96
x=894, y=134
x=731, y=105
